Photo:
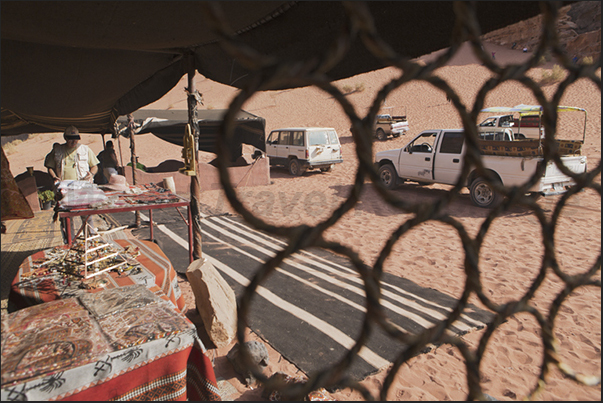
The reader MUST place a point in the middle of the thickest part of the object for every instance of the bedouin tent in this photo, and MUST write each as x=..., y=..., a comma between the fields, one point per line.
x=169, y=125
x=85, y=63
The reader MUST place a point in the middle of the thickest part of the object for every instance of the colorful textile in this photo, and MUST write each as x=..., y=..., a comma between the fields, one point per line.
x=116, y=300
x=156, y=273
x=201, y=381
x=43, y=343
x=159, y=357
x=14, y=205
x=135, y=326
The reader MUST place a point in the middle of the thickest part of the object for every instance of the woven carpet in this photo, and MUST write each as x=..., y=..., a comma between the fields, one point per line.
x=23, y=238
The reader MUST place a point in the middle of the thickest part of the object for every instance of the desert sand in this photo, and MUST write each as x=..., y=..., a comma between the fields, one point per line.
x=431, y=254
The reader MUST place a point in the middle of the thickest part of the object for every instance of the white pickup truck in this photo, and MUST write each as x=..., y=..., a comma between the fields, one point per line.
x=387, y=124
x=436, y=156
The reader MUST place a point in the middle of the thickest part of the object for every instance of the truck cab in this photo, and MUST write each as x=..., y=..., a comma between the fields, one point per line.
x=526, y=126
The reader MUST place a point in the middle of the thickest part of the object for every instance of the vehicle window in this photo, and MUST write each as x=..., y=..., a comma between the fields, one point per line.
x=333, y=137
x=506, y=121
x=317, y=138
x=488, y=122
x=273, y=138
x=298, y=139
x=422, y=144
x=452, y=143
x=285, y=139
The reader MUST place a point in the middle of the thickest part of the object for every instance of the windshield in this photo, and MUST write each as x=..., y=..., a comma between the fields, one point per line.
x=488, y=122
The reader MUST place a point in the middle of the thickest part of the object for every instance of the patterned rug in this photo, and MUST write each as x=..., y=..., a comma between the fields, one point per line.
x=26, y=237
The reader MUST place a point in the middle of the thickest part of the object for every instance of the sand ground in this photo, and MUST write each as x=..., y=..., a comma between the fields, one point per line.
x=431, y=254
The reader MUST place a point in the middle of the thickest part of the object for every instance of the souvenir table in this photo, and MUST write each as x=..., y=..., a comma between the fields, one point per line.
x=138, y=197
x=35, y=284
x=119, y=344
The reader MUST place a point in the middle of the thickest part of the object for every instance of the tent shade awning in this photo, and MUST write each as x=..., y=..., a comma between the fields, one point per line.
x=169, y=125
x=85, y=63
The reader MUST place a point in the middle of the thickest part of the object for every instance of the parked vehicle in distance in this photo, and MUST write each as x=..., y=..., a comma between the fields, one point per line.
x=386, y=125
x=436, y=156
x=302, y=148
x=523, y=120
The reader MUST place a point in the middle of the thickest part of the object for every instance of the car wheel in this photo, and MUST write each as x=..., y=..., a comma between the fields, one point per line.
x=295, y=168
x=327, y=169
x=388, y=176
x=483, y=195
x=380, y=134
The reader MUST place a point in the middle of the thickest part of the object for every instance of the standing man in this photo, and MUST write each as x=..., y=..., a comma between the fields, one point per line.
x=71, y=161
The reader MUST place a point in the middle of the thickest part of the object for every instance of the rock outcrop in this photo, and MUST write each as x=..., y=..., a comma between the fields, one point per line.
x=578, y=27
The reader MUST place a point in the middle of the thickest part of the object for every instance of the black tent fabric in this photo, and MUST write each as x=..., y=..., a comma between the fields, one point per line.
x=88, y=62
x=169, y=125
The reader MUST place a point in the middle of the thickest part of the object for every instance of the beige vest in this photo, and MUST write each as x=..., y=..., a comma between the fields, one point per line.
x=81, y=161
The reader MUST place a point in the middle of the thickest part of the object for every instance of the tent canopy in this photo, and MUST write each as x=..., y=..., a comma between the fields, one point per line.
x=169, y=125
x=530, y=109
x=88, y=62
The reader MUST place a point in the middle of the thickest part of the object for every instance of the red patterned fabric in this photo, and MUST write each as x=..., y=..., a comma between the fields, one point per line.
x=201, y=382
x=162, y=379
x=158, y=275
x=14, y=204
x=89, y=365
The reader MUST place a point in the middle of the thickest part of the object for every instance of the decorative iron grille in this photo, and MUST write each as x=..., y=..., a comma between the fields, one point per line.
x=270, y=73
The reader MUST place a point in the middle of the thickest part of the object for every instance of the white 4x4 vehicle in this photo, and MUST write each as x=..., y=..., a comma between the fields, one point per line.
x=303, y=148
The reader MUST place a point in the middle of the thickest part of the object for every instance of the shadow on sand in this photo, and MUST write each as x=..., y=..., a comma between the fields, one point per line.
x=371, y=202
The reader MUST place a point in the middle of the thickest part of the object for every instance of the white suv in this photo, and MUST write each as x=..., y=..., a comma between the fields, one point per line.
x=303, y=148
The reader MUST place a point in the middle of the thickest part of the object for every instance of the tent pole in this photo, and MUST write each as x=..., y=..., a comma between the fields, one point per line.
x=133, y=159
x=121, y=159
x=195, y=188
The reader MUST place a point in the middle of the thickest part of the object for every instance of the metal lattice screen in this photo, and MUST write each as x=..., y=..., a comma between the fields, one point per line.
x=271, y=73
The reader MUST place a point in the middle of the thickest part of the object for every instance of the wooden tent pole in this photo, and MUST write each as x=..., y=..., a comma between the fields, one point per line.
x=195, y=188
x=133, y=159
x=121, y=158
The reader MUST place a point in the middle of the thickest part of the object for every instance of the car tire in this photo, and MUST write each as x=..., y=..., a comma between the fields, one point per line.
x=295, y=167
x=380, y=134
x=483, y=195
x=388, y=176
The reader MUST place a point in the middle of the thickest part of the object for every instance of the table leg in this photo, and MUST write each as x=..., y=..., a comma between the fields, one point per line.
x=68, y=230
x=190, y=235
x=151, y=223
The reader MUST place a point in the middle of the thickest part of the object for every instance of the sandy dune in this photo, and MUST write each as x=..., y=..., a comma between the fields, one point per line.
x=430, y=254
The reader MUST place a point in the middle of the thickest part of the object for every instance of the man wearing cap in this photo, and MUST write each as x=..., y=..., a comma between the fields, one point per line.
x=71, y=161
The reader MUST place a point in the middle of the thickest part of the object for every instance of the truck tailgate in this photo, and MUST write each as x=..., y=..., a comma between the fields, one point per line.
x=554, y=181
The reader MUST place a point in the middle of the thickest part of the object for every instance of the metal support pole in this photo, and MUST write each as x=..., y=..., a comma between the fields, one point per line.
x=195, y=188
